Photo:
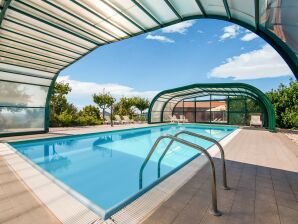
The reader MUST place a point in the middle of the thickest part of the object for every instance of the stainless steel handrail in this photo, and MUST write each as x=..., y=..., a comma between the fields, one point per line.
x=214, y=210
x=224, y=172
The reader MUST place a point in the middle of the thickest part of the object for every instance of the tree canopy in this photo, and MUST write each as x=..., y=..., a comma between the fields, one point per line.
x=285, y=102
x=104, y=101
x=141, y=104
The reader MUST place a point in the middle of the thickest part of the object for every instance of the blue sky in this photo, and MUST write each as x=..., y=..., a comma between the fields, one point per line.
x=199, y=51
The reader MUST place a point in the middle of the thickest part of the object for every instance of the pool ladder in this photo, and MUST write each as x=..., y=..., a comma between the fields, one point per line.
x=174, y=138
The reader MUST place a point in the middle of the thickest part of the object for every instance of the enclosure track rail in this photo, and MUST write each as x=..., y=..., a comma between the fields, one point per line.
x=214, y=209
x=224, y=172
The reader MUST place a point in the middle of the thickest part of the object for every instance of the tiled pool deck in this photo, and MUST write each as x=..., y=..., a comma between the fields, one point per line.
x=262, y=171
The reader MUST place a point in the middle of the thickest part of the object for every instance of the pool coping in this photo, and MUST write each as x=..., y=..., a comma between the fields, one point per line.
x=33, y=176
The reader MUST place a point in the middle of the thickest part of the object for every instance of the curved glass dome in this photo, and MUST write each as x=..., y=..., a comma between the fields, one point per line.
x=38, y=39
x=224, y=103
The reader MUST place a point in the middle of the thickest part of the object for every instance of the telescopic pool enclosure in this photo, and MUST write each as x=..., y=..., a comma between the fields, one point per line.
x=38, y=39
x=219, y=103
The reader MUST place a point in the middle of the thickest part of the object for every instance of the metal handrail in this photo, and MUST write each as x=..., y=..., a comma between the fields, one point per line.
x=224, y=172
x=214, y=210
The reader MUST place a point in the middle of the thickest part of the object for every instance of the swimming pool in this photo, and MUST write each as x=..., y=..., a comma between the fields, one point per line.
x=104, y=167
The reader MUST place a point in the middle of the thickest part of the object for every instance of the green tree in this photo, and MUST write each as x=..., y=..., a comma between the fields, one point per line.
x=62, y=113
x=89, y=115
x=141, y=104
x=285, y=102
x=124, y=106
x=104, y=101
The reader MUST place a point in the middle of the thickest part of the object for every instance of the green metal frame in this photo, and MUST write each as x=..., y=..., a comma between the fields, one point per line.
x=282, y=48
x=253, y=93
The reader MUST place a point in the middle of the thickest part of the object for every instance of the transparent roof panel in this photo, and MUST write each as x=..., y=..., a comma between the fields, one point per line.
x=57, y=15
x=25, y=71
x=19, y=51
x=9, y=76
x=135, y=13
x=160, y=10
x=281, y=18
x=243, y=10
x=66, y=30
x=214, y=7
x=21, y=58
x=22, y=95
x=186, y=7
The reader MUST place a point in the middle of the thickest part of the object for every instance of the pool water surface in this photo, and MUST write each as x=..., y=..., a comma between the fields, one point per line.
x=104, y=167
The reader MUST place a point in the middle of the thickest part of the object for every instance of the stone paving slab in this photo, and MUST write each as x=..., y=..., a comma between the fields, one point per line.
x=262, y=170
x=17, y=203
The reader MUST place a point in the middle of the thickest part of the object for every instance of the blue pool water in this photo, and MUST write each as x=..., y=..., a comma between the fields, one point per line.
x=104, y=167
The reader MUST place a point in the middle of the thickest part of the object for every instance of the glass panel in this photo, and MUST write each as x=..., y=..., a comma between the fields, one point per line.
x=167, y=116
x=31, y=55
x=155, y=116
x=243, y=10
x=170, y=106
x=16, y=94
x=280, y=17
x=30, y=60
x=253, y=106
x=178, y=113
x=17, y=69
x=23, y=78
x=203, y=116
x=74, y=22
x=76, y=9
x=237, y=104
x=160, y=10
x=179, y=106
x=219, y=117
x=36, y=50
x=48, y=28
x=214, y=7
x=203, y=98
x=21, y=119
x=218, y=111
x=28, y=65
x=134, y=12
x=110, y=15
x=186, y=7
x=189, y=110
x=237, y=118
x=157, y=106
x=34, y=42
x=203, y=105
x=218, y=97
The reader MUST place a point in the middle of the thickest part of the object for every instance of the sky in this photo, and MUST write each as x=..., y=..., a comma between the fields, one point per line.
x=197, y=51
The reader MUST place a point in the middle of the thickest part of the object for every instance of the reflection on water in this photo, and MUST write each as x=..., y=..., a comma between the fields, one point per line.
x=52, y=159
x=105, y=167
x=98, y=145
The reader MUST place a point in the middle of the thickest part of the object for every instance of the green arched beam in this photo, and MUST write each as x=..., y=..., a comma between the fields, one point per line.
x=260, y=29
x=285, y=52
x=253, y=92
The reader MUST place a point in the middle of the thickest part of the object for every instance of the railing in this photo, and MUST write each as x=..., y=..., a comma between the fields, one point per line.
x=224, y=172
x=214, y=210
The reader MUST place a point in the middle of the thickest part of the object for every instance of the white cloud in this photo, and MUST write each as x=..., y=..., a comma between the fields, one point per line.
x=159, y=38
x=179, y=27
x=229, y=32
x=81, y=93
x=262, y=63
x=249, y=36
